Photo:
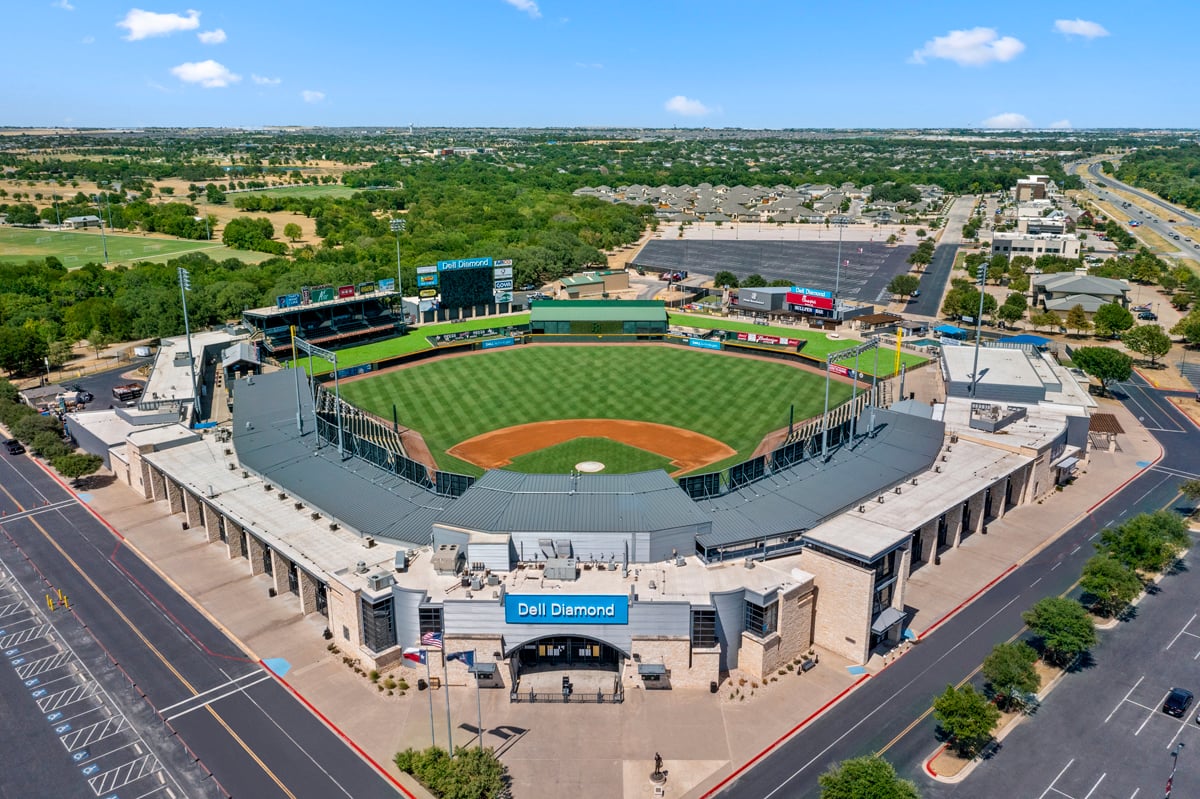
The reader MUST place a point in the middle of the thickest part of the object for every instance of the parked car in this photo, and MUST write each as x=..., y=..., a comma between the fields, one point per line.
x=14, y=447
x=1149, y=316
x=1177, y=702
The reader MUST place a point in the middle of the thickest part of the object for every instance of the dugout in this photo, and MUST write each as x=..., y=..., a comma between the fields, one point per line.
x=639, y=319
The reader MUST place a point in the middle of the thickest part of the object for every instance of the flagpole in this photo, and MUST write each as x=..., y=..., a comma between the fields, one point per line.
x=446, y=688
x=429, y=687
x=478, y=706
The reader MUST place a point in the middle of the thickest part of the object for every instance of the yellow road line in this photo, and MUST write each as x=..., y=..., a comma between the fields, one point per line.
x=108, y=600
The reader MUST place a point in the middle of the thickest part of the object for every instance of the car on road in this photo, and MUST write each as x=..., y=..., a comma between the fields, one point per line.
x=915, y=294
x=1177, y=702
x=1148, y=315
x=1144, y=307
x=14, y=447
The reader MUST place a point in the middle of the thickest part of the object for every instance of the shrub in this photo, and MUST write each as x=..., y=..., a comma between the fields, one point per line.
x=472, y=774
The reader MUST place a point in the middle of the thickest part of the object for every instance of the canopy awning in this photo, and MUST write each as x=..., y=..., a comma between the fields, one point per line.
x=886, y=620
x=1068, y=463
x=950, y=330
x=651, y=668
x=483, y=669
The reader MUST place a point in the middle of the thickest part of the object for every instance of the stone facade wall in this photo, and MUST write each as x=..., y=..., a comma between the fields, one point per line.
x=485, y=648
x=174, y=495
x=191, y=507
x=256, y=550
x=684, y=670
x=279, y=572
x=760, y=657
x=344, y=619
x=308, y=593
x=233, y=539
x=842, y=623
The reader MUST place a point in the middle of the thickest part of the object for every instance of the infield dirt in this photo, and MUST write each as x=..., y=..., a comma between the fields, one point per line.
x=687, y=450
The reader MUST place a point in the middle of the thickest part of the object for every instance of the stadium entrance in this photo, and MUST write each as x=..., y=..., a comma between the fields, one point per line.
x=566, y=668
x=567, y=651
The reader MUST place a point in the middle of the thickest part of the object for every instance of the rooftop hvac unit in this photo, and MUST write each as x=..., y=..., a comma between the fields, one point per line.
x=368, y=541
x=679, y=561
x=937, y=469
x=381, y=581
x=879, y=499
x=914, y=481
x=401, y=560
x=748, y=563
x=897, y=489
x=361, y=567
x=446, y=559
x=862, y=508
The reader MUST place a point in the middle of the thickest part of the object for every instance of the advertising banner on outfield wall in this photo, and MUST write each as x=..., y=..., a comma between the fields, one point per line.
x=323, y=293
x=501, y=273
x=502, y=262
x=493, y=343
x=809, y=301
x=838, y=369
x=345, y=291
x=426, y=294
x=287, y=300
x=387, y=284
x=427, y=280
x=704, y=343
x=504, y=285
x=366, y=288
x=755, y=338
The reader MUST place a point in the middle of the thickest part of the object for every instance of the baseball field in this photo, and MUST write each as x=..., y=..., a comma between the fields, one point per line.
x=550, y=407
x=76, y=248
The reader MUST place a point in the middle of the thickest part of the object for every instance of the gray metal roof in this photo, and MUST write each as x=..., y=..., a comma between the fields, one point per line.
x=800, y=497
x=359, y=495
x=503, y=501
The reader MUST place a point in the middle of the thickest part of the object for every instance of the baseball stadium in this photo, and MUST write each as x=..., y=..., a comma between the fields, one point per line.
x=597, y=490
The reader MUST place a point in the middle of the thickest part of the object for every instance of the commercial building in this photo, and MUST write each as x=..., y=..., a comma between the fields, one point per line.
x=1062, y=291
x=1011, y=243
x=591, y=284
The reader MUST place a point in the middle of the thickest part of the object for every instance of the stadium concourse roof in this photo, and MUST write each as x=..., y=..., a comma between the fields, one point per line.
x=597, y=311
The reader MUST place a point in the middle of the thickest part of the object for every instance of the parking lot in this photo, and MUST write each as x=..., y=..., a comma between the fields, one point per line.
x=1102, y=732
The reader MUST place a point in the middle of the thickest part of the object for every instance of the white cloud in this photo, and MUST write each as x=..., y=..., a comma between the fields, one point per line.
x=264, y=81
x=686, y=106
x=1008, y=121
x=1062, y=124
x=144, y=24
x=971, y=48
x=211, y=37
x=528, y=6
x=65, y=5
x=1080, y=27
x=311, y=96
x=208, y=74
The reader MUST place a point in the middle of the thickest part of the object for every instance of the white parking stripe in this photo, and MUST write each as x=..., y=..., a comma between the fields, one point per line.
x=1097, y=785
x=1051, y=787
x=1131, y=690
x=168, y=708
x=1152, y=712
x=208, y=702
x=1181, y=631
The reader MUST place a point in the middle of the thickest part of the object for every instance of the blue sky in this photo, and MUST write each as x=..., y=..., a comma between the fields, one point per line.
x=784, y=63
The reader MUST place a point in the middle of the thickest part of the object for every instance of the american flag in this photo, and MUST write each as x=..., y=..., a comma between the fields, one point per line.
x=432, y=640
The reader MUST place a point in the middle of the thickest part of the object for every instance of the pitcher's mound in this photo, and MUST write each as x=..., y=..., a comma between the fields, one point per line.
x=589, y=466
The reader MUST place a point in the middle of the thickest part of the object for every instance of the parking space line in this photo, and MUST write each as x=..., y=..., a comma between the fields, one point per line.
x=124, y=774
x=97, y=731
x=67, y=697
x=152, y=790
x=21, y=636
x=1181, y=630
x=1051, y=787
x=1097, y=785
x=1152, y=712
x=1131, y=690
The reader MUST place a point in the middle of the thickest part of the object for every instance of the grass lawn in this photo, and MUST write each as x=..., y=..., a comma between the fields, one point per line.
x=328, y=190
x=75, y=249
x=819, y=344
x=734, y=400
x=617, y=458
x=414, y=341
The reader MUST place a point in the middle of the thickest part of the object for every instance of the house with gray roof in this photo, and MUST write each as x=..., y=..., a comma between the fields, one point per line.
x=1062, y=291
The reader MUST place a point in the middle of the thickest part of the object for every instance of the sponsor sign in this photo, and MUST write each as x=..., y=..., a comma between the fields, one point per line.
x=351, y=371
x=427, y=280
x=704, y=343
x=503, y=296
x=755, y=338
x=838, y=369
x=751, y=298
x=464, y=263
x=322, y=293
x=426, y=294
x=345, y=291
x=504, y=341
x=305, y=295
x=823, y=313
x=809, y=300
x=812, y=292
x=387, y=284
x=427, y=270
x=502, y=262
x=502, y=272
x=553, y=609
x=287, y=300
x=504, y=285
x=366, y=288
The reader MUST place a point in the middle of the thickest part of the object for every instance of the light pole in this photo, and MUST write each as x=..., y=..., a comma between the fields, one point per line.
x=185, y=285
x=982, y=274
x=840, y=221
x=104, y=241
x=398, y=226
x=1174, y=763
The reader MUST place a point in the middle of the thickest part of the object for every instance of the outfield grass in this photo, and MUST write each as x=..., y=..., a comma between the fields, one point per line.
x=819, y=344
x=414, y=341
x=75, y=249
x=617, y=458
x=734, y=400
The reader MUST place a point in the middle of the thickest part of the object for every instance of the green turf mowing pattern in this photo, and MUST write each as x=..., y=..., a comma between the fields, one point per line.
x=617, y=458
x=734, y=400
x=75, y=249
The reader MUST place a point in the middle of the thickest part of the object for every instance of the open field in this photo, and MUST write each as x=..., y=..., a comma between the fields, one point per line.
x=732, y=399
x=819, y=344
x=617, y=458
x=76, y=248
x=327, y=190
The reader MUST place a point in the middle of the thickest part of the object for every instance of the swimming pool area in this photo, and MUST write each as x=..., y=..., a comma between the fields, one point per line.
x=925, y=342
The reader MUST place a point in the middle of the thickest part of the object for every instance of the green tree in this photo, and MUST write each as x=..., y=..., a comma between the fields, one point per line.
x=1103, y=363
x=997, y=267
x=1077, y=319
x=76, y=464
x=864, y=777
x=1148, y=340
x=1046, y=319
x=904, y=285
x=22, y=350
x=755, y=281
x=1063, y=627
x=1112, y=318
x=966, y=717
x=48, y=444
x=58, y=353
x=1148, y=542
x=99, y=340
x=725, y=278
x=292, y=231
x=1191, y=489
x=1188, y=327
x=473, y=773
x=214, y=194
x=1111, y=584
x=1009, y=671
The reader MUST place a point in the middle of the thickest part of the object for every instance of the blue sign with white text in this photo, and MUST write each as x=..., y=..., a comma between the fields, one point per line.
x=704, y=343
x=813, y=292
x=465, y=263
x=570, y=609
x=503, y=341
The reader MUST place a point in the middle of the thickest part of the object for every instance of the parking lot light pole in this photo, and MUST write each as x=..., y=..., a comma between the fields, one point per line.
x=397, y=226
x=982, y=273
x=1174, y=763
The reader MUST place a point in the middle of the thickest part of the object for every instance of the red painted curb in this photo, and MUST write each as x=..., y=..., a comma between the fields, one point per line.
x=350, y=742
x=713, y=791
x=966, y=602
x=933, y=757
x=1133, y=477
x=1147, y=379
x=54, y=476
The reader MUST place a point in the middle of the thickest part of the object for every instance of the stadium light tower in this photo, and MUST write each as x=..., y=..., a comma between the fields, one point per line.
x=981, y=273
x=840, y=221
x=398, y=226
x=185, y=285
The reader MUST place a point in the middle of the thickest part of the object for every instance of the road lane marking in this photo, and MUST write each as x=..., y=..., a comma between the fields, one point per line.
x=218, y=698
x=169, y=708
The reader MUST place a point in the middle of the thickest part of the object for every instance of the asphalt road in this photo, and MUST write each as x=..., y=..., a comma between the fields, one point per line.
x=937, y=274
x=1165, y=210
x=882, y=714
x=238, y=720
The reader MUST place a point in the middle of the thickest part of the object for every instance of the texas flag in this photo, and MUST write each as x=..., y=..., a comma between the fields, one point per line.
x=415, y=655
x=467, y=657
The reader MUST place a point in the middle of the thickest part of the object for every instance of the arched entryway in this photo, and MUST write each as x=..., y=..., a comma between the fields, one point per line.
x=567, y=652
x=566, y=668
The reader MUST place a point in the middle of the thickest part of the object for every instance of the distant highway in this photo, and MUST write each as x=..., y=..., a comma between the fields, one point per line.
x=1165, y=210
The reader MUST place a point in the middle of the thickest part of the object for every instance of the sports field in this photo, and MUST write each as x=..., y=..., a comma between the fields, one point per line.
x=617, y=458
x=75, y=249
x=733, y=400
x=328, y=190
